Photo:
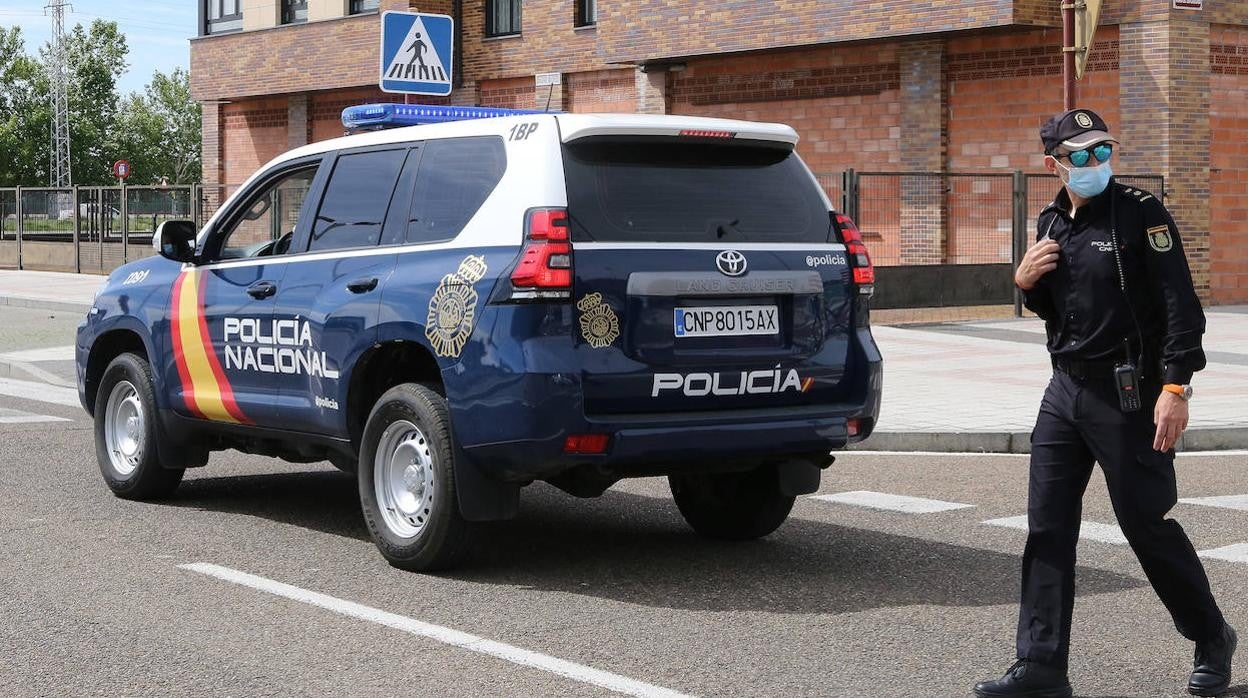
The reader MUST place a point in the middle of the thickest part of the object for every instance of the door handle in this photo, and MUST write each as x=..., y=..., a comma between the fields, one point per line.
x=362, y=285
x=261, y=290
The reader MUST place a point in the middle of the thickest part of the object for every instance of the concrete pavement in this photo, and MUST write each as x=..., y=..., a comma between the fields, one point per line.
x=948, y=386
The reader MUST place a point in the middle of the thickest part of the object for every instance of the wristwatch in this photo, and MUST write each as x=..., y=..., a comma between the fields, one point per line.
x=1183, y=391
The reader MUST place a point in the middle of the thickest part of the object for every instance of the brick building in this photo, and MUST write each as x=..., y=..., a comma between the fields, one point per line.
x=902, y=85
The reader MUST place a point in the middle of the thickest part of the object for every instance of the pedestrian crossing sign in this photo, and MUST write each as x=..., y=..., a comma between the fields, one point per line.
x=416, y=53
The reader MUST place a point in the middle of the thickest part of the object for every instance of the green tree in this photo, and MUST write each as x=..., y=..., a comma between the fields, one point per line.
x=159, y=131
x=25, y=115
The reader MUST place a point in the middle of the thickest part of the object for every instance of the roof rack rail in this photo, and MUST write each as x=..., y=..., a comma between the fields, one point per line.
x=374, y=117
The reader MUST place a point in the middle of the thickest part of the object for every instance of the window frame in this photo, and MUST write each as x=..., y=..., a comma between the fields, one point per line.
x=586, y=13
x=356, y=7
x=491, y=10
x=209, y=250
x=208, y=21
x=290, y=12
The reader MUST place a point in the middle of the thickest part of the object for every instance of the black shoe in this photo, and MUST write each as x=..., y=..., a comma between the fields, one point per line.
x=1027, y=679
x=1212, y=673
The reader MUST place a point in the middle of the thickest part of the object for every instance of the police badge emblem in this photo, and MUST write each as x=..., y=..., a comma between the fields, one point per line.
x=453, y=308
x=600, y=326
x=1159, y=238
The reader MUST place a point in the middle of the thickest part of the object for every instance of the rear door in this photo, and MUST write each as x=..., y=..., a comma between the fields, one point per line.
x=326, y=313
x=707, y=275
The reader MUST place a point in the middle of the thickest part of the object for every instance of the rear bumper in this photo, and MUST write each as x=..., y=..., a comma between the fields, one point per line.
x=678, y=444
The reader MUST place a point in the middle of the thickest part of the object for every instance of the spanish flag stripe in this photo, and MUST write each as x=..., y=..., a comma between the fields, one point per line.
x=196, y=349
x=179, y=358
x=223, y=384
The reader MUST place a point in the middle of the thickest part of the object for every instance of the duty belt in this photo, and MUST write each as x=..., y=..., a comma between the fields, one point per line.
x=1083, y=370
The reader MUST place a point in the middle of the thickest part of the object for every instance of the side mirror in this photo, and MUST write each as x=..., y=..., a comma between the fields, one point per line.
x=175, y=240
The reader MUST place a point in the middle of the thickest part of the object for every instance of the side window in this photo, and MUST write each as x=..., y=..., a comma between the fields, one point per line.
x=456, y=176
x=268, y=218
x=356, y=198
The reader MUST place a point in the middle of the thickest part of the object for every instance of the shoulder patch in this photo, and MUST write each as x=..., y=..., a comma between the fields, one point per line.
x=1159, y=238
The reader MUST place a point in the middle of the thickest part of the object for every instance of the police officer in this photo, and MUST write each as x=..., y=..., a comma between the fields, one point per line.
x=1109, y=278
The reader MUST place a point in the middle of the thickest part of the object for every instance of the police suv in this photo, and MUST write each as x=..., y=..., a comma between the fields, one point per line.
x=456, y=309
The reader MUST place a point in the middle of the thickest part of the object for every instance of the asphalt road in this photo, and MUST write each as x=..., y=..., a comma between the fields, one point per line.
x=843, y=600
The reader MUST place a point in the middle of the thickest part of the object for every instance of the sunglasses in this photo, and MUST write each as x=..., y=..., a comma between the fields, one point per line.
x=1101, y=151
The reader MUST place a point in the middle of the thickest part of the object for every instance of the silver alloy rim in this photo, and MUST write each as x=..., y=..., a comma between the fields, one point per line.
x=403, y=479
x=125, y=428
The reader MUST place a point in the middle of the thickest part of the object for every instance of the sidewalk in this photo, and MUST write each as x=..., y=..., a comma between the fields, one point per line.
x=948, y=386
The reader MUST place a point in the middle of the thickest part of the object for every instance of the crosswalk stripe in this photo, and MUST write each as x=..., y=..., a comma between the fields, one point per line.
x=1233, y=501
x=1090, y=530
x=30, y=390
x=1234, y=553
x=8, y=416
x=891, y=502
x=65, y=353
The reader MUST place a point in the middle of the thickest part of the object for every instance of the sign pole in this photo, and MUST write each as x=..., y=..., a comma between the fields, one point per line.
x=1068, y=55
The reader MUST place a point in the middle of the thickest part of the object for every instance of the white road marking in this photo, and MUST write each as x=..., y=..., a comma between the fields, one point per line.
x=510, y=653
x=8, y=416
x=1234, y=553
x=982, y=454
x=30, y=390
x=1233, y=501
x=45, y=354
x=1090, y=530
x=891, y=502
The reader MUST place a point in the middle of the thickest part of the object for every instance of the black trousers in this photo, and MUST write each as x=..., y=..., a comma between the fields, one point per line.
x=1080, y=422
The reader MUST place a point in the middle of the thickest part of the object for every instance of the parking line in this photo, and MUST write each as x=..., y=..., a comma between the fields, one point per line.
x=1233, y=501
x=510, y=653
x=891, y=502
x=42, y=392
x=8, y=416
x=1234, y=553
x=1090, y=530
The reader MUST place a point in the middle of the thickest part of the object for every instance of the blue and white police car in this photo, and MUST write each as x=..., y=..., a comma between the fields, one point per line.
x=456, y=309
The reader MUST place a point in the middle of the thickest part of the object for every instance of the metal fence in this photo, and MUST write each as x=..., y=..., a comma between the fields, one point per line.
x=950, y=218
x=88, y=229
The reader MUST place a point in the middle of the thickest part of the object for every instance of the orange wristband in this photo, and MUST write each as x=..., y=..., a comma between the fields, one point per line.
x=1173, y=388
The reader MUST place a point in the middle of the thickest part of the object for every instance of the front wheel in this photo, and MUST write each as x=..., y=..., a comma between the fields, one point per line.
x=126, y=432
x=731, y=506
x=407, y=481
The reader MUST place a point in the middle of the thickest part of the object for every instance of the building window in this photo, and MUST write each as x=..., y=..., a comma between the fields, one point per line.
x=586, y=13
x=222, y=16
x=361, y=6
x=502, y=17
x=294, y=11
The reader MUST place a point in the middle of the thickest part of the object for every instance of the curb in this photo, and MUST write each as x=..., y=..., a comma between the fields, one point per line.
x=1202, y=439
x=43, y=304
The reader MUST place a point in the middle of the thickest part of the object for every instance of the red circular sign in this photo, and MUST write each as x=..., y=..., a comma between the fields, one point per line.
x=121, y=169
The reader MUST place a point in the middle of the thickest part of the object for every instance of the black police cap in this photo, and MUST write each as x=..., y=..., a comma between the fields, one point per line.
x=1075, y=129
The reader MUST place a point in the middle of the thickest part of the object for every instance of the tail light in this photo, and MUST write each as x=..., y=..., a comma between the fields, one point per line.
x=859, y=259
x=586, y=444
x=545, y=266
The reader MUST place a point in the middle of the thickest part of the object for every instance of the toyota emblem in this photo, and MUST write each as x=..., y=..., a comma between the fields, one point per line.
x=730, y=263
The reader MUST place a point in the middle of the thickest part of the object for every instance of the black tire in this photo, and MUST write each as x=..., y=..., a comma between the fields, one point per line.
x=731, y=506
x=418, y=534
x=130, y=463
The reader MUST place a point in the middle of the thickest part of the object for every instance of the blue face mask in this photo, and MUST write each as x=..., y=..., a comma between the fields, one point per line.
x=1088, y=181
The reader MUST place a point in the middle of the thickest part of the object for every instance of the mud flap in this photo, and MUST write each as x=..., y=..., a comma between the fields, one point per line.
x=797, y=477
x=481, y=497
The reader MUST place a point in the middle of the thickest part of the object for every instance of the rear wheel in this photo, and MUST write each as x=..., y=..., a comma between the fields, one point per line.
x=126, y=432
x=407, y=481
x=732, y=506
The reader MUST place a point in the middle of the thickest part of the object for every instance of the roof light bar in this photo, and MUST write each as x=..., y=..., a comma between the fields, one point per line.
x=372, y=117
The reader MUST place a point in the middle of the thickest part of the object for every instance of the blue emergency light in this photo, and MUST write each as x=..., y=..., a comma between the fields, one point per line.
x=373, y=117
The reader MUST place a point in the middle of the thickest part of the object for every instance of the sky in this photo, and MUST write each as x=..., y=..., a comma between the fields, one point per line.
x=157, y=31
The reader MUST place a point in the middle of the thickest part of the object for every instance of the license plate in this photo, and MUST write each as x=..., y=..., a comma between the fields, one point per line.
x=720, y=320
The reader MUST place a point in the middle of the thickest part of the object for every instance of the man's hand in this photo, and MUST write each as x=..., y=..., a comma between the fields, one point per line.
x=1170, y=416
x=1040, y=259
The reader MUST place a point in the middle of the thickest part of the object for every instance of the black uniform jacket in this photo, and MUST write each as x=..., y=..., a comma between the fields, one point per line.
x=1086, y=313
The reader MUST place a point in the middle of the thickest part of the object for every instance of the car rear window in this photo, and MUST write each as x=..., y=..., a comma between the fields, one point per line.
x=663, y=190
